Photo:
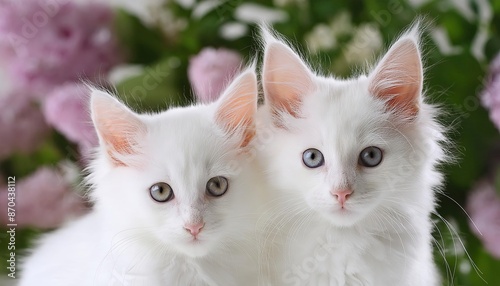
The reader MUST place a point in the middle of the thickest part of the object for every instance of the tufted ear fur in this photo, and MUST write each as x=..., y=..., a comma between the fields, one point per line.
x=398, y=77
x=238, y=105
x=117, y=126
x=286, y=78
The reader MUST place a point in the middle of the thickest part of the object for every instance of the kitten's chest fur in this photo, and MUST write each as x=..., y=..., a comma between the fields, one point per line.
x=213, y=270
x=345, y=257
x=184, y=272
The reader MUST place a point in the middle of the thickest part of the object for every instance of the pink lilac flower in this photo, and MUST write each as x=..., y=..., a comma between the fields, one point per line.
x=491, y=95
x=66, y=109
x=483, y=206
x=22, y=125
x=43, y=200
x=211, y=70
x=50, y=42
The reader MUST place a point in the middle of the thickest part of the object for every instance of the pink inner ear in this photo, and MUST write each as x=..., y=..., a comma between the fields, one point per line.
x=119, y=139
x=398, y=102
x=119, y=135
x=286, y=79
x=239, y=105
x=117, y=126
x=398, y=78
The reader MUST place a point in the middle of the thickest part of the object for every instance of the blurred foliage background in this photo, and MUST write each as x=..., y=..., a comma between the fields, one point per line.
x=160, y=38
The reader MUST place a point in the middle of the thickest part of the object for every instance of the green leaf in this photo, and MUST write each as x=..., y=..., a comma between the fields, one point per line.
x=492, y=48
x=50, y=153
x=155, y=89
x=497, y=181
x=488, y=269
x=469, y=126
x=496, y=6
x=144, y=45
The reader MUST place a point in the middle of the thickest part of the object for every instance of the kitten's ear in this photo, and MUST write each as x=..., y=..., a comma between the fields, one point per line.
x=286, y=78
x=398, y=77
x=237, y=107
x=118, y=128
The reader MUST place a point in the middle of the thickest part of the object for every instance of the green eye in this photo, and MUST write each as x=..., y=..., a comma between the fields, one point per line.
x=161, y=192
x=217, y=186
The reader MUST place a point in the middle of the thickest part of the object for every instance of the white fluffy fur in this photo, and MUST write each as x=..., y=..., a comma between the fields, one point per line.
x=383, y=236
x=128, y=238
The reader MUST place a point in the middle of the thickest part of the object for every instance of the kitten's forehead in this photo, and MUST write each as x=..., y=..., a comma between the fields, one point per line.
x=345, y=104
x=345, y=115
x=187, y=144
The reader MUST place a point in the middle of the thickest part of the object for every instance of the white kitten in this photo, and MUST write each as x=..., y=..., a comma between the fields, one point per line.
x=176, y=199
x=353, y=167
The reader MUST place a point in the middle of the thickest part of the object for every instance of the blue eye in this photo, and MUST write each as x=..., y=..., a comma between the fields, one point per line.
x=370, y=157
x=313, y=158
x=161, y=192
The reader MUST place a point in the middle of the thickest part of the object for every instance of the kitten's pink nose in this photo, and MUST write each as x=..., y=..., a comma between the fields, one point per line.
x=194, y=228
x=342, y=195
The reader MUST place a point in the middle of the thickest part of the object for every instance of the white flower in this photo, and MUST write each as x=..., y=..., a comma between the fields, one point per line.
x=255, y=13
x=233, y=30
x=169, y=23
x=154, y=13
x=204, y=7
x=342, y=24
x=186, y=4
x=440, y=36
x=366, y=41
x=123, y=72
x=323, y=37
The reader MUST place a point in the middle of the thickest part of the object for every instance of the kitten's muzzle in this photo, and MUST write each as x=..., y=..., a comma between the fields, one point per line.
x=194, y=228
x=341, y=195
